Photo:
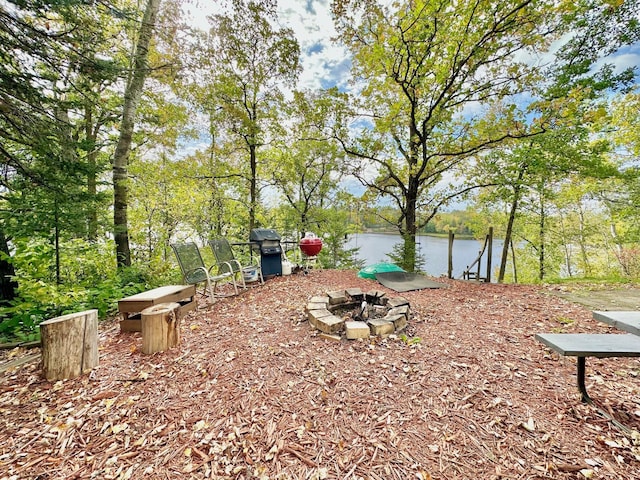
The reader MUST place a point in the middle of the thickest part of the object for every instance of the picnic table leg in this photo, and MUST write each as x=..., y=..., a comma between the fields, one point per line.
x=583, y=390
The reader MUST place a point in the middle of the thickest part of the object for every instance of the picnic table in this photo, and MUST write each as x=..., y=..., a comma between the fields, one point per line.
x=627, y=321
x=599, y=345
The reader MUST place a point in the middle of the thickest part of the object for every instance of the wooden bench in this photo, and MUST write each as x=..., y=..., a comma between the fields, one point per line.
x=130, y=307
x=584, y=345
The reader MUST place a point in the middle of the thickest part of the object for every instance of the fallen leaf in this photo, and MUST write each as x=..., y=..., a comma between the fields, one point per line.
x=119, y=428
x=529, y=425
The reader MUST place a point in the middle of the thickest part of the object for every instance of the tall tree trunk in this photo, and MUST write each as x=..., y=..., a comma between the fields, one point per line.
x=91, y=135
x=409, y=235
x=541, y=252
x=513, y=260
x=304, y=224
x=509, y=232
x=253, y=186
x=8, y=285
x=507, y=236
x=132, y=94
x=411, y=195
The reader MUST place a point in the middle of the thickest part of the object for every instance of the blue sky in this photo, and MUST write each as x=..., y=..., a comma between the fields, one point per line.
x=324, y=64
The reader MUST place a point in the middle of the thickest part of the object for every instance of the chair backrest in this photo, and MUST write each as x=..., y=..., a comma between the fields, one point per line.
x=190, y=261
x=224, y=255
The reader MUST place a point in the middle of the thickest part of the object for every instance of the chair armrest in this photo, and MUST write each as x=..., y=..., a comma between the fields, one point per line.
x=194, y=273
x=219, y=275
x=225, y=266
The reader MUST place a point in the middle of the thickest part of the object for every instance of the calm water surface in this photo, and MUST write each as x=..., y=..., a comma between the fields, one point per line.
x=374, y=248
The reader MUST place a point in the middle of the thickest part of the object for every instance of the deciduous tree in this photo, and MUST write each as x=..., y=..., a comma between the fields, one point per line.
x=439, y=84
x=133, y=90
x=305, y=165
x=243, y=64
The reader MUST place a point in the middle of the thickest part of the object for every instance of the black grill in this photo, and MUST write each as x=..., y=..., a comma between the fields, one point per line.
x=266, y=242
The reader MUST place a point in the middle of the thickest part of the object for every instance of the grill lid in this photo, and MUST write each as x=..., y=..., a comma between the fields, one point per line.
x=263, y=234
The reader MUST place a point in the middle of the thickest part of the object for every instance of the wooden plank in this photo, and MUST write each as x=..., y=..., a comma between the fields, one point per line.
x=19, y=361
x=592, y=344
x=131, y=324
x=170, y=293
x=626, y=320
x=182, y=294
x=161, y=292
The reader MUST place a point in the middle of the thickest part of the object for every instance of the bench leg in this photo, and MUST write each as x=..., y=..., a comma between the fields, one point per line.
x=583, y=390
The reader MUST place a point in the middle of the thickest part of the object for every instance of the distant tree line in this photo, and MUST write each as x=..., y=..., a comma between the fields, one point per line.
x=460, y=222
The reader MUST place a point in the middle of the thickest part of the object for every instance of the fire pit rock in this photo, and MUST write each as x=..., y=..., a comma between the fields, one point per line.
x=354, y=314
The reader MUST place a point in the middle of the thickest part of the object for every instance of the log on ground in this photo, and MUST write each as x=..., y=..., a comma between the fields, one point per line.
x=160, y=325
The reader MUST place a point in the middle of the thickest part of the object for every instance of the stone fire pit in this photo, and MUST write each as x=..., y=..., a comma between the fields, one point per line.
x=354, y=314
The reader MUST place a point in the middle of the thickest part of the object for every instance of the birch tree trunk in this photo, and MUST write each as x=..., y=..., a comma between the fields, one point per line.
x=132, y=94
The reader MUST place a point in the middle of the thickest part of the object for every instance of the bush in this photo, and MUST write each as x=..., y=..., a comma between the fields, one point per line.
x=89, y=279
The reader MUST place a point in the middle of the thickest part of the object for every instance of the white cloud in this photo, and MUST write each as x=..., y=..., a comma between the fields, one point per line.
x=622, y=61
x=324, y=63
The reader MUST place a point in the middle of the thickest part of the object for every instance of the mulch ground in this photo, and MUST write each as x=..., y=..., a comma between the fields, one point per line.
x=254, y=392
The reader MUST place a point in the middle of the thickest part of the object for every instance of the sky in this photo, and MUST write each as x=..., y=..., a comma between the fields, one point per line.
x=324, y=63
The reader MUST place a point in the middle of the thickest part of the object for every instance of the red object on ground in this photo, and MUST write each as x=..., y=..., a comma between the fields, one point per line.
x=311, y=246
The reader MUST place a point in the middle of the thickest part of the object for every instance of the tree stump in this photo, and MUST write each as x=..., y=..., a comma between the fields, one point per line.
x=69, y=345
x=160, y=327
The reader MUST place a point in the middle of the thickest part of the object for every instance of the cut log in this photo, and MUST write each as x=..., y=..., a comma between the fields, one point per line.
x=69, y=345
x=160, y=327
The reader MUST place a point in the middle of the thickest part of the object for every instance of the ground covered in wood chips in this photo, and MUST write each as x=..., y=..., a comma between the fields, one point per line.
x=254, y=392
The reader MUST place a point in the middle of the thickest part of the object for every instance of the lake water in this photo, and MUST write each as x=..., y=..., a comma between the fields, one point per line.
x=374, y=248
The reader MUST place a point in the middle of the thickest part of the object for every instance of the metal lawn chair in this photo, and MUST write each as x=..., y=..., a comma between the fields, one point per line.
x=194, y=270
x=229, y=265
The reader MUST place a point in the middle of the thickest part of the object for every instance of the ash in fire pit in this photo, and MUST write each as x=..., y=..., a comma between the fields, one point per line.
x=358, y=315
